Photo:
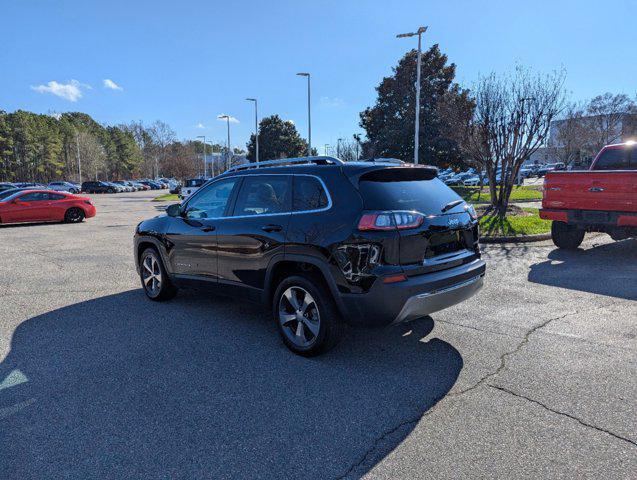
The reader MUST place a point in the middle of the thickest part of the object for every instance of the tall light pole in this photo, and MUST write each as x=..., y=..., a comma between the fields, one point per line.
x=227, y=118
x=418, y=32
x=338, y=147
x=309, y=114
x=204, y=154
x=256, y=129
x=327, y=146
x=212, y=163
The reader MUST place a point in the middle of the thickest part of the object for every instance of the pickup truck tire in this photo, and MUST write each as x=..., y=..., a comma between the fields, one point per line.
x=566, y=236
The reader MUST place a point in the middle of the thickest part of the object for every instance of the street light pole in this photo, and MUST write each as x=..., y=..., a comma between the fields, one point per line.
x=204, y=154
x=256, y=129
x=309, y=114
x=418, y=32
x=227, y=118
x=212, y=157
x=338, y=147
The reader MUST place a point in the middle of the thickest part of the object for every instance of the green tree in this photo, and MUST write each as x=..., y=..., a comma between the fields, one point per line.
x=389, y=124
x=277, y=139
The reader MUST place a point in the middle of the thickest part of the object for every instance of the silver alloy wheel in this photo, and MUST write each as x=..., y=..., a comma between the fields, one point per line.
x=151, y=275
x=299, y=316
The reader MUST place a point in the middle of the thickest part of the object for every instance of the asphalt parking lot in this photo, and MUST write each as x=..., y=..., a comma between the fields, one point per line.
x=536, y=377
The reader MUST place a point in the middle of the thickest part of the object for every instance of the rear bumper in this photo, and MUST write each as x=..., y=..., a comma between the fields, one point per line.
x=416, y=297
x=89, y=211
x=586, y=218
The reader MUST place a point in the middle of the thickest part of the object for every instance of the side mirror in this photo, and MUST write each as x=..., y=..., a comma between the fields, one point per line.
x=174, y=210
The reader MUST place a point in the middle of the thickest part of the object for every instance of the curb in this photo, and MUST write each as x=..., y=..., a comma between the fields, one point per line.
x=517, y=238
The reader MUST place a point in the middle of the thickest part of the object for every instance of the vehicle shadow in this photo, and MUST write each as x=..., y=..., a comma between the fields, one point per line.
x=607, y=269
x=201, y=387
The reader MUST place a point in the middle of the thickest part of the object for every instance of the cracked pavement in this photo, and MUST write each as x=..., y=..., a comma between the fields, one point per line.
x=534, y=377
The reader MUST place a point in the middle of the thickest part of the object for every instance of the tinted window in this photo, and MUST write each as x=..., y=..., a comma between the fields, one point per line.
x=424, y=196
x=211, y=201
x=194, y=182
x=633, y=157
x=34, y=197
x=8, y=193
x=309, y=194
x=55, y=196
x=612, y=159
x=263, y=195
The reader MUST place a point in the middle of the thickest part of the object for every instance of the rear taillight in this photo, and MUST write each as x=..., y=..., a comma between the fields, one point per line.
x=390, y=221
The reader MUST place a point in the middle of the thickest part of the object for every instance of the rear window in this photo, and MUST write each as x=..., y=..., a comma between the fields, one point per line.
x=613, y=159
x=397, y=191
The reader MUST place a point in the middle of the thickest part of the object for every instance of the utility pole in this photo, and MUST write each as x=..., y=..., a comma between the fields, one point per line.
x=309, y=114
x=256, y=129
x=418, y=32
x=212, y=156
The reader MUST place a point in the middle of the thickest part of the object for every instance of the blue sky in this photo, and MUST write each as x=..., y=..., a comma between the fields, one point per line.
x=186, y=62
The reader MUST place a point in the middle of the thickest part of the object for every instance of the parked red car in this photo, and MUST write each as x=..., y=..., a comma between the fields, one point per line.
x=601, y=199
x=45, y=206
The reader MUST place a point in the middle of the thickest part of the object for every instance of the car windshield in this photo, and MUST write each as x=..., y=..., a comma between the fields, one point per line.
x=8, y=193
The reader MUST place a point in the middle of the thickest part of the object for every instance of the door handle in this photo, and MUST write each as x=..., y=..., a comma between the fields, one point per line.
x=596, y=189
x=272, y=228
x=208, y=228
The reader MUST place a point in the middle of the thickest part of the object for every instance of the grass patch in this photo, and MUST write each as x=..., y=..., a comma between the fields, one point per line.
x=521, y=193
x=528, y=223
x=167, y=197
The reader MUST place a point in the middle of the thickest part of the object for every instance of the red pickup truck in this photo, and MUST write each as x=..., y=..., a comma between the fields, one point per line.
x=601, y=199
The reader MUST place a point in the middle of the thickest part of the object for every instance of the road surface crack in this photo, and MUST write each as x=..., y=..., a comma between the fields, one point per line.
x=568, y=415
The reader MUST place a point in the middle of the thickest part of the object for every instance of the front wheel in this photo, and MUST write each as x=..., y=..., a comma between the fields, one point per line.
x=566, y=236
x=74, y=215
x=306, y=316
x=154, y=278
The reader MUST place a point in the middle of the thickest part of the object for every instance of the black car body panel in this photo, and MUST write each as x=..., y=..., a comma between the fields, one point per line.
x=242, y=251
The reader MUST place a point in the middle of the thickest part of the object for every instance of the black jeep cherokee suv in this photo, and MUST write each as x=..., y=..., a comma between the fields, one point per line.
x=320, y=241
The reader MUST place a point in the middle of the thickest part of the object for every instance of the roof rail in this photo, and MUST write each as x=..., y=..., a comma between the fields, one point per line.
x=318, y=160
x=383, y=160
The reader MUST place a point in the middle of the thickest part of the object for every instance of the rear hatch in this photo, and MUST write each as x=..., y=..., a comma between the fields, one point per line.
x=446, y=233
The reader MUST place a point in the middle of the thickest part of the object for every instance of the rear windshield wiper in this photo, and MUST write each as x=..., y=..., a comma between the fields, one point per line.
x=452, y=204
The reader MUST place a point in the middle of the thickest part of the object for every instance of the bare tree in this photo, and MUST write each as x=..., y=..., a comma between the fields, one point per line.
x=606, y=115
x=92, y=155
x=161, y=137
x=511, y=121
x=569, y=141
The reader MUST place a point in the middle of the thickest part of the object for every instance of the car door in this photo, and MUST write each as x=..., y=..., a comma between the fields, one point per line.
x=56, y=206
x=30, y=207
x=192, y=236
x=256, y=230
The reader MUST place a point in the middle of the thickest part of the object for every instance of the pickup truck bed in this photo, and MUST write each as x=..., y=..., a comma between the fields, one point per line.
x=595, y=200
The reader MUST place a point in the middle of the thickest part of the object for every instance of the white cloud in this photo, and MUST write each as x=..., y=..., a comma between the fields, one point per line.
x=200, y=126
x=232, y=119
x=110, y=84
x=331, y=102
x=71, y=91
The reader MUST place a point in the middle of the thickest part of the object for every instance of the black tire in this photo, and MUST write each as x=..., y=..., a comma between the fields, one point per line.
x=165, y=290
x=111, y=190
x=74, y=215
x=566, y=236
x=330, y=327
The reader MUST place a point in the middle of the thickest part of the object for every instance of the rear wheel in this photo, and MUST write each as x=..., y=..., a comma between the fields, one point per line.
x=154, y=278
x=74, y=215
x=306, y=316
x=566, y=236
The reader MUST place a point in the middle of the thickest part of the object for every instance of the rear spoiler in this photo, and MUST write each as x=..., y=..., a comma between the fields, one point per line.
x=390, y=173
